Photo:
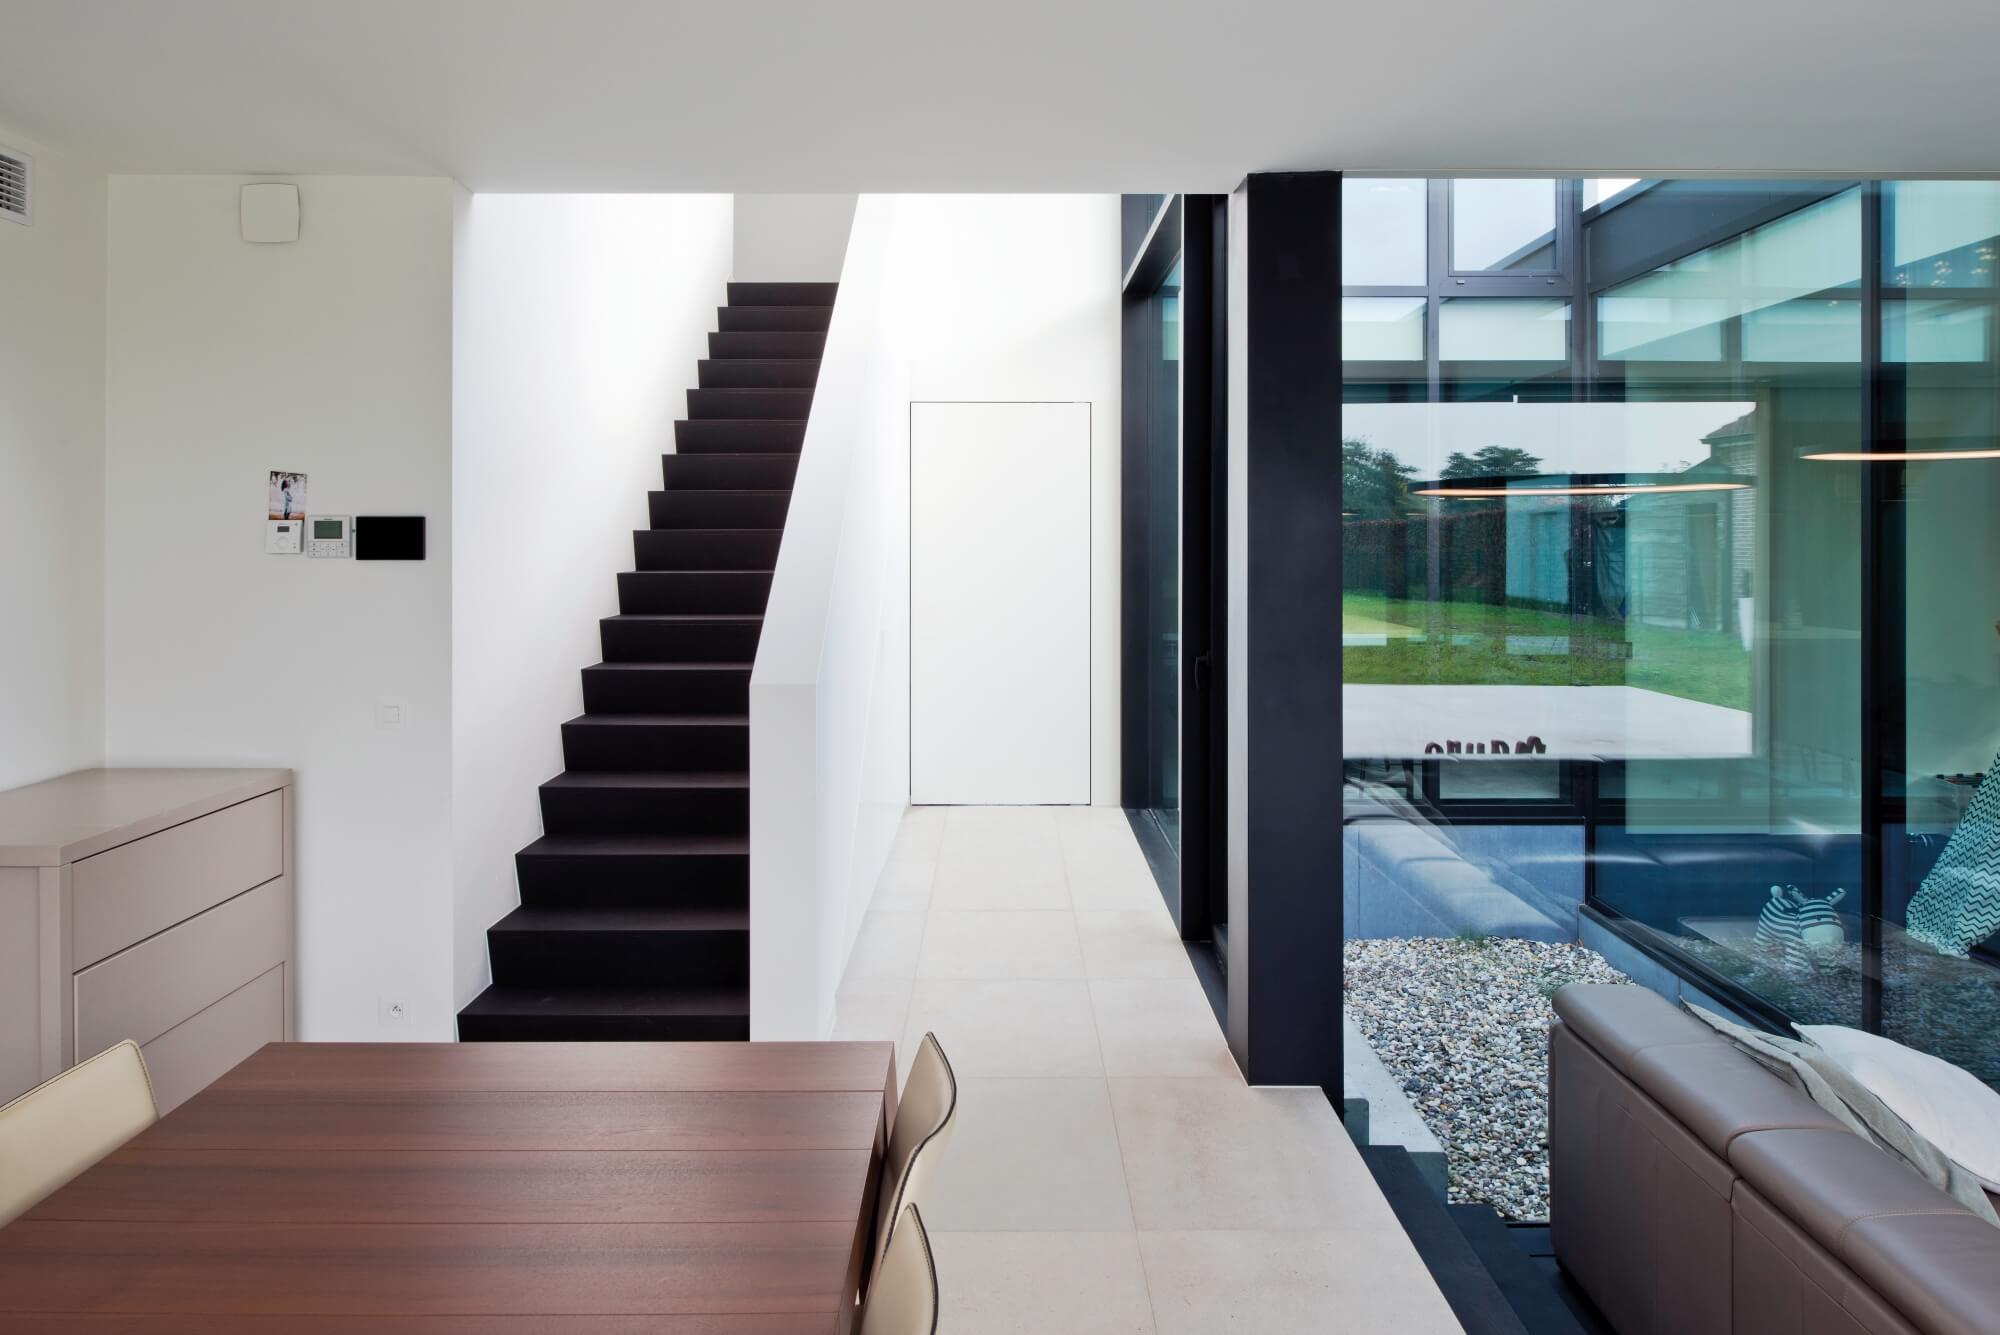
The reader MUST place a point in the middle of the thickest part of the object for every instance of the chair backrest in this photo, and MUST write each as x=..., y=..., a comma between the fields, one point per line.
x=924, y=1121
x=903, y=1300
x=57, y=1129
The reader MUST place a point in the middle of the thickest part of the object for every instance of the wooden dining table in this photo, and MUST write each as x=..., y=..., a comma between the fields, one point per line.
x=668, y=1188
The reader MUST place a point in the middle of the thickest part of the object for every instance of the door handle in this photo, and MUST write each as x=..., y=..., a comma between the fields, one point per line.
x=1201, y=671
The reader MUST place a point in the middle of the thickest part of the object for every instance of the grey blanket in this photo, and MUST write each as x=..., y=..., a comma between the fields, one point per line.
x=1807, y=1068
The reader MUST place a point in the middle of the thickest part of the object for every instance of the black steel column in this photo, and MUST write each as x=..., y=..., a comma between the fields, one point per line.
x=1284, y=684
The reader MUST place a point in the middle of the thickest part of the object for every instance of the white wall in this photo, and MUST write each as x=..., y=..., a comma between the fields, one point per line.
x=579, y=322
x=1038, y=320
x=1016, y=297
x=331, y=356
x=791, y=238
x=829, y=697
x=52, y=474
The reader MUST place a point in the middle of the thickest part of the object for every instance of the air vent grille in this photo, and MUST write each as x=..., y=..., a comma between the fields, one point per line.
x=17, y=174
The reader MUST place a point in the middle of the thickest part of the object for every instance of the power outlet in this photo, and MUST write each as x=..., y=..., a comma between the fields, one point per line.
x=393, y=1012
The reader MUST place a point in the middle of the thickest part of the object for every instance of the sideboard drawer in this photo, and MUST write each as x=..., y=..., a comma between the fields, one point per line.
x=131, y=892
x=145, y=991
x=200, y=1049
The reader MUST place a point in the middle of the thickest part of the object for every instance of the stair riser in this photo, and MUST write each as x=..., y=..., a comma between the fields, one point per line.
x=718, y=509
x=645, y=811
x=723, y=437
x=679, y=642
x=604, y=1029
x=765, y=344
x=665, y=591
x=634, y=880
x=703, y=747
x=774, y=319
x=765, y=405
x=633, y=689
x=777, y=373
x=691, y=549
x=729, y=472
x=620, y=958
x=782, y=294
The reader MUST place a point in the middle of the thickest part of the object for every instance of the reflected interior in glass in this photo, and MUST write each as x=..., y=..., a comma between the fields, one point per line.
x=1607, y=624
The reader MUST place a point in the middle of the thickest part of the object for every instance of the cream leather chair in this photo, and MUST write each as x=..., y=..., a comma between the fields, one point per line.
x=923, y=1124
x=57, y=1129
x=903, y=1300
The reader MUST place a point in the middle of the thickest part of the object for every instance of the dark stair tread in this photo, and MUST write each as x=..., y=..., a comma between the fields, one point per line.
x=725, y=345
x=1537, y=1300
x=732, y=435
x=642, y=845
x=657, y=720
x=672, y=667
x=626, y=919
x=782, y=294
x=774, y=319
x=741, y=454
x=689, y=618
x=758, y=373
x=591, y=778
x=609, y=1002
x=1475, y=1299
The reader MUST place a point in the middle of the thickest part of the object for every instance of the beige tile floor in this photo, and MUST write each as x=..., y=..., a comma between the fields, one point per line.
x=1111, y=1172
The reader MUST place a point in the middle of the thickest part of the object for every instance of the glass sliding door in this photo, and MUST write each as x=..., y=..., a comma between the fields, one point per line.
x=1163, y=552
x=1172, y=515
x=1151, y=519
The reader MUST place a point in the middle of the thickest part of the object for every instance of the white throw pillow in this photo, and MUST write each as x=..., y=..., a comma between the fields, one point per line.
x=1945, y=1104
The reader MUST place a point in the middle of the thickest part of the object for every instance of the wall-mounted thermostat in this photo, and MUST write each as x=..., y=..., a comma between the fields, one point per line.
x=281, y=536
x=330, y=535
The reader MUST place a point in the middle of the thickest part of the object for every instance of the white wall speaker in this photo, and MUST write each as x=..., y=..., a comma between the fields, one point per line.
x=270, y=213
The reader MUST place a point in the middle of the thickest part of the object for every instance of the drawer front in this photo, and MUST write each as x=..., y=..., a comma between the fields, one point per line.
x=152, y=987
x=194, y=1053
x=128, y=893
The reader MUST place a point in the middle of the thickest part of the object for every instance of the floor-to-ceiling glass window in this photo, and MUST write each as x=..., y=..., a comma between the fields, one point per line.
x=1649, y=647
x=1163, y=550
x=1152, y=519
x=1937, y=645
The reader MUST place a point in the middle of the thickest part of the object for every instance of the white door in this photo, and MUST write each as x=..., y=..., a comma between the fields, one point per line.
x=1000, y=603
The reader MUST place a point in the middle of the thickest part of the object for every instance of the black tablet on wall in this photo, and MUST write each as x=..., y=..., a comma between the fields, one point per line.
x=388, y=537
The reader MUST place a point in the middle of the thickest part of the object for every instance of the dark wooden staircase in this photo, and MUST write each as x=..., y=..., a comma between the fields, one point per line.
x=635, y=903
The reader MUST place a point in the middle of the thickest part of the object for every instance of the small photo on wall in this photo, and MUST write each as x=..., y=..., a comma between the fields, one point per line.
x=288, y=495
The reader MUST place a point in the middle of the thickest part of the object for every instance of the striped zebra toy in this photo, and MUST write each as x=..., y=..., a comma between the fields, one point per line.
x=1799, y=924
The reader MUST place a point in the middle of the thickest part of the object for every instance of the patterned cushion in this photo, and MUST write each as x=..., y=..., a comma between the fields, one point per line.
x=1958, y=905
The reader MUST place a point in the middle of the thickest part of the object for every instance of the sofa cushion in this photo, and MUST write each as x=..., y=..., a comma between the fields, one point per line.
x=1720, y=1094
x=1619, y=1020
x=1933, y=1260
x=1695, y=1074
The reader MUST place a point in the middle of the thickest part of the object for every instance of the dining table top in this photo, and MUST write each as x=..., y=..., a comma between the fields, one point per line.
x=669, y=1188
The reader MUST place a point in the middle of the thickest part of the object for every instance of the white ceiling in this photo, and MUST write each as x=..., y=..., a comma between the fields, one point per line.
x=1006, y=95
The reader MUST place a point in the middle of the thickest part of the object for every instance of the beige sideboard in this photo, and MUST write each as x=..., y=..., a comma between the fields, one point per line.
x=150, y=904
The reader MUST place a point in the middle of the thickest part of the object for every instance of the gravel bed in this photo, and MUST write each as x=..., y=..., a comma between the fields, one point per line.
x=1463, y=1024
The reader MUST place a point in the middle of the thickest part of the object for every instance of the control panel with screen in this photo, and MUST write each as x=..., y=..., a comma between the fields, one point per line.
x=329, y=535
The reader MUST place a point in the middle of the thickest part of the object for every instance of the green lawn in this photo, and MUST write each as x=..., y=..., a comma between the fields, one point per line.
x=1460, y=644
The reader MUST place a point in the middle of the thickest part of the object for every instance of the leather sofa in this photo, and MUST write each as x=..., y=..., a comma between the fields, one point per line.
x=1694, y=1193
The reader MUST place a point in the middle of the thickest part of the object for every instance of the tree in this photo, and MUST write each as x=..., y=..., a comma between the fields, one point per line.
x=1493, y=461
x=1374, y=484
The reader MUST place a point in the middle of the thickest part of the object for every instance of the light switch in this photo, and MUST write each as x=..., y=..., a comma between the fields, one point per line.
x=388, y=716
